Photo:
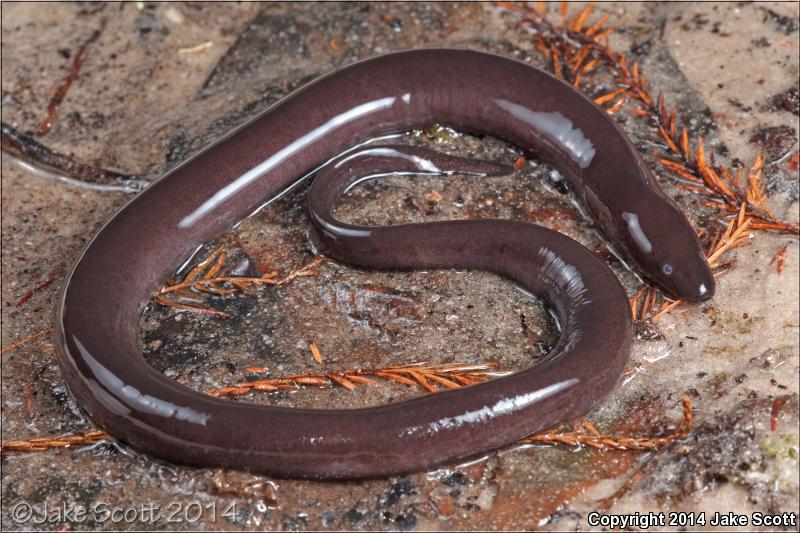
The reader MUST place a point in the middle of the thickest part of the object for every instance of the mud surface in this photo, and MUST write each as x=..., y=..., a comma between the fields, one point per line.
x=163, y=80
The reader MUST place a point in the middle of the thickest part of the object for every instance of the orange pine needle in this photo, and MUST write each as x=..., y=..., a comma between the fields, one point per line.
x=341, y=380
x=597, y=26
x=603, y=35
x=780, y=258
x=556, y=61
x=315, y=352
x=26, y=340
x=577, y=61
x=673, y=128
x=685, y=143
x=668, y=139
x=660, y=107
x=581, y=19
x=634, y=301
x=619, y=104
x=589, y=67
x=600, y=100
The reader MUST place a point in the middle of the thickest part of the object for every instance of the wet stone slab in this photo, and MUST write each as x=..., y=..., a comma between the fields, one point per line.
x=153, y=90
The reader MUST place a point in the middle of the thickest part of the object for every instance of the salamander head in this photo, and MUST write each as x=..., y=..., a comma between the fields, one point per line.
x=665, y=247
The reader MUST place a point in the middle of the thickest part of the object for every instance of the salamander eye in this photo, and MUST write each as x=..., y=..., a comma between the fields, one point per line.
x=666, y=269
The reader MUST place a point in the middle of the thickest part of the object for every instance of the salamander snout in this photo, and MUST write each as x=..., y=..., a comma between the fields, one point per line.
x=687, y=278
x=665, y=248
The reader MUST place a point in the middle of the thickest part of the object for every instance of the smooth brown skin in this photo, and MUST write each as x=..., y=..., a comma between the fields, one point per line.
x=128, y=259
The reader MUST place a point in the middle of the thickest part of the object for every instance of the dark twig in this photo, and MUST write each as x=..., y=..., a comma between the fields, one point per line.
x=43, y=159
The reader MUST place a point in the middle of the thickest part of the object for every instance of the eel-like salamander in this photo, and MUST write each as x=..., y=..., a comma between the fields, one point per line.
x=96, y=323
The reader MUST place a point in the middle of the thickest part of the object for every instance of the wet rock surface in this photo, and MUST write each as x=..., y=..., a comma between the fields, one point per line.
x=163, y=80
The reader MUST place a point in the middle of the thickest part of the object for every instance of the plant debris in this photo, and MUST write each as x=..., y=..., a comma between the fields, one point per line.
x=27, y=296
x=40, y=157
x=776, y=408
x=26, y=340
x=11, y=447
x=779, y=259
x=245, y=485
x=315, y=352
x=210, y=277
x=431, y=378
x=587, y=435
x=198, y=48
x=65, y=84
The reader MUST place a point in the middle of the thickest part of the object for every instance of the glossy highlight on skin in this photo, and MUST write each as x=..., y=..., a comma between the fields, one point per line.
x=316, y=128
